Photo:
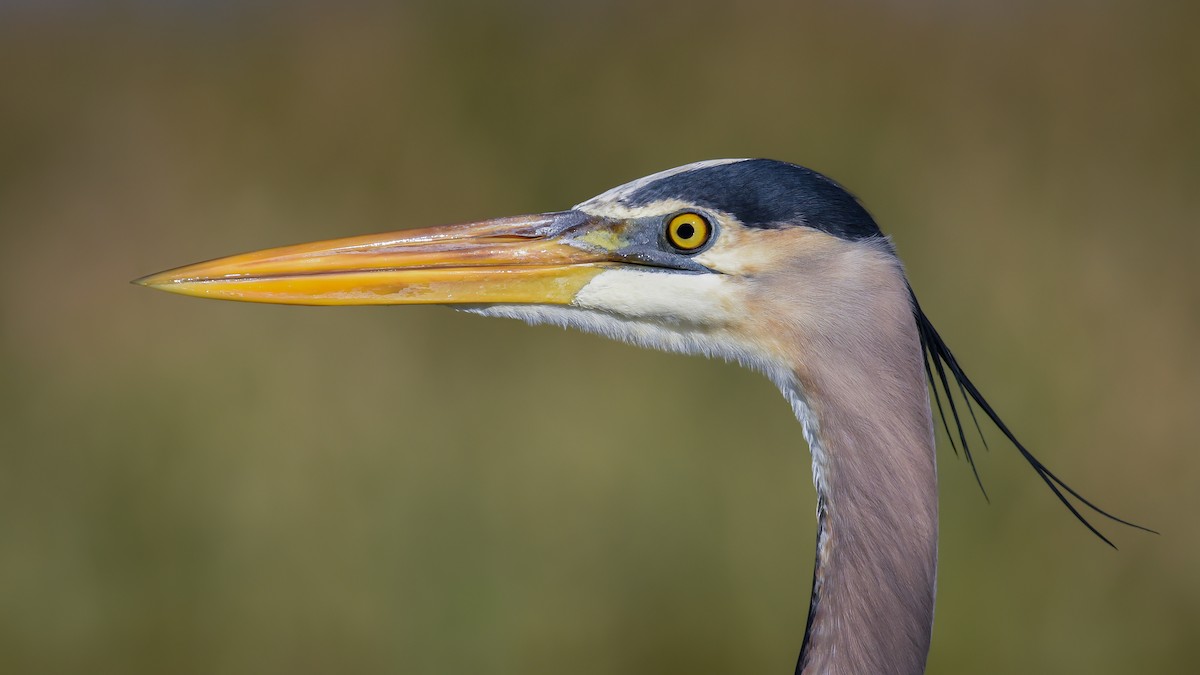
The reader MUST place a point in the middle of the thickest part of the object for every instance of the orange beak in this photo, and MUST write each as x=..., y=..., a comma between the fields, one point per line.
x=524, y=259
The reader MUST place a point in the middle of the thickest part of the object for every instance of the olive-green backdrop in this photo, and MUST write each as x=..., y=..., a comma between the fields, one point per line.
x=200, y=487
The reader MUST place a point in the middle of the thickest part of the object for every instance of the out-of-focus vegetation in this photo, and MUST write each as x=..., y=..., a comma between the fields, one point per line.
x=206, y=487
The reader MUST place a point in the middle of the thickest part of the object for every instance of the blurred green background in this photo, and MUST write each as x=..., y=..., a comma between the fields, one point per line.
x=204, y=487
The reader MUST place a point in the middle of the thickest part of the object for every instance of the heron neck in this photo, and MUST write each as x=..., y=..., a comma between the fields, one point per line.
x=865, y=410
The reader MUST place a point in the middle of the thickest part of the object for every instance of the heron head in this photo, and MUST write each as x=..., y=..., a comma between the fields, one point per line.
x=728, y=258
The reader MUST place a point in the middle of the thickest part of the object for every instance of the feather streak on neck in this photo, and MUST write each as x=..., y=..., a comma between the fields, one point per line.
x=862, y=398
x=875, y=571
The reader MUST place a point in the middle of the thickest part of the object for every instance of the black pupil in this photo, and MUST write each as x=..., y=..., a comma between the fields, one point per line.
x=686, y=231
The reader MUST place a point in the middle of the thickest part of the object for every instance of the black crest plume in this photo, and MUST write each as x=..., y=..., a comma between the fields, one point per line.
x=942, y=368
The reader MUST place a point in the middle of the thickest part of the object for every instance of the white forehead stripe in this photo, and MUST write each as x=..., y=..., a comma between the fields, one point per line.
x=596, y=205
x=619, y=211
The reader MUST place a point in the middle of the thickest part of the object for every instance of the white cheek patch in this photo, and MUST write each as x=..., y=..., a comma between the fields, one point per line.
x=685, y=313
x=699, y=299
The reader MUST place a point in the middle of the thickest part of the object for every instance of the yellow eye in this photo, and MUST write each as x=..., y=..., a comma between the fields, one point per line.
x=688, y=231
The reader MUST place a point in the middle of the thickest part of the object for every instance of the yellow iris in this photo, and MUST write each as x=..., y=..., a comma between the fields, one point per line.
x=688, y=231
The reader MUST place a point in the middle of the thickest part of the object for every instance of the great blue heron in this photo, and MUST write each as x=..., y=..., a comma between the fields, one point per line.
x=757, y=261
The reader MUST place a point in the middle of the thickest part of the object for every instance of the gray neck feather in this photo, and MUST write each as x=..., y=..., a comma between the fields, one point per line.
x=865, y=410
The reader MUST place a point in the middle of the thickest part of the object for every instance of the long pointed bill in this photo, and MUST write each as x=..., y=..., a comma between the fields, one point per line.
x=525, y=259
